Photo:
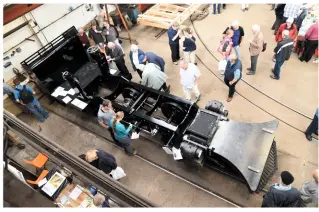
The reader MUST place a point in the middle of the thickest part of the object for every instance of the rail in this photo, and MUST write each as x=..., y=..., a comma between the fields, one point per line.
x=58, y=154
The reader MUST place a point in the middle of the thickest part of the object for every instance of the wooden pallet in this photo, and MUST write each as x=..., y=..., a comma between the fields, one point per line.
x=163, y=15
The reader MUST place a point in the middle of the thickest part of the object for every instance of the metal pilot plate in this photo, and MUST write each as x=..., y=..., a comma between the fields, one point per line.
x=246, y=146
x=203, y=124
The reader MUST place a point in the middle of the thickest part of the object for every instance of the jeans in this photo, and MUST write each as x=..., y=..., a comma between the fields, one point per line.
x=231, y=87
x=36, y=108
x=188, y=92
x=313, y=127
x=175, y=51
x=277, y=68
x=126, y=144
x=237, y=51
x=218, y=8
x=253, y=63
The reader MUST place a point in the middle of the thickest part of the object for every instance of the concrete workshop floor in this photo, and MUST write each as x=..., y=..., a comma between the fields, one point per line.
x=295, y=153
x=297, y=88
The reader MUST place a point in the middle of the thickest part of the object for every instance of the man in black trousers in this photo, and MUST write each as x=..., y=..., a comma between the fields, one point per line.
x=116, y=53
x=313, y=127
x=173, y=37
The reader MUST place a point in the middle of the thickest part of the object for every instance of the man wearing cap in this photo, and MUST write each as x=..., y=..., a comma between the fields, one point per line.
x=282, y=194
x=282, y=53
x=150, y=57
x=238, y=36
x=152, y=76
x=105, y=114
x=309, y=192
x=290, y=26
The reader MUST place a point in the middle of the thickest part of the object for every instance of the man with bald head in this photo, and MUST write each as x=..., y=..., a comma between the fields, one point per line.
x=256, y=46
x=282, y=53
x=189, y=75
x=232, y=74
x=116, y=53
x=309, y=192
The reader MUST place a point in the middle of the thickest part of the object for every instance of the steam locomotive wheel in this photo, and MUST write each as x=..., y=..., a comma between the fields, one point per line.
x=173, y=112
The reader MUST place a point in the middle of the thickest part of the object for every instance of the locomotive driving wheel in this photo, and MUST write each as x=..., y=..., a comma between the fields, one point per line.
x=173, y=112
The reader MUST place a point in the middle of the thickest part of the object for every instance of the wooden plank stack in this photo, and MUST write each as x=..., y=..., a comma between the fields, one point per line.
x=163, y=15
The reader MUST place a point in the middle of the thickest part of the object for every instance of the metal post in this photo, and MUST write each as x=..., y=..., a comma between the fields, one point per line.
x=107, y=13
x=119, y=11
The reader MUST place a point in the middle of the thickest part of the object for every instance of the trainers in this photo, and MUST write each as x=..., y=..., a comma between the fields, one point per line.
x=175, y=63
x=274, y=77
x=309, y=138
x=229, y=99
x=250, y=73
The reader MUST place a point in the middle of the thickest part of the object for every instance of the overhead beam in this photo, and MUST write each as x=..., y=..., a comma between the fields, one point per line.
x=15, y=11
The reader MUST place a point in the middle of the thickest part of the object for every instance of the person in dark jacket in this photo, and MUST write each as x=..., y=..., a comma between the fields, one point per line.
x=116, y=53
x=237, y=37
x=150, y=57
x=279, y=11
x=135, y=53
x=96, y=34
x=282, y=53
x=173, y=37
x=282, y=194
x=100, y=160
x=233, y=73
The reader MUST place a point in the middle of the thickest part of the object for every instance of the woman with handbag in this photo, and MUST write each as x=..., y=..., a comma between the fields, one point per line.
x=189, y=46
x=121, y=133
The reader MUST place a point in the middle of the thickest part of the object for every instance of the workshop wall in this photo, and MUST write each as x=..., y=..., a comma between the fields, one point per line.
x=49, y=21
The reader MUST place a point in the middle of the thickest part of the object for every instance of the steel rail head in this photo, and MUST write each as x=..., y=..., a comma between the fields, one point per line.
x=80, y=168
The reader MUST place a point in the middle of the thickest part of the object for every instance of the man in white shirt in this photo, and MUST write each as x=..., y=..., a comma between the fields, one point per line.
x=189, y=76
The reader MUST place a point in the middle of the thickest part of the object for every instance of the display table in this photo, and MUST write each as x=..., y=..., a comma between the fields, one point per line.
x=75, y=196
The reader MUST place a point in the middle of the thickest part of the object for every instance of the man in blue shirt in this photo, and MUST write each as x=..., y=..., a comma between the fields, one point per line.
x=232, y=75
x=313, y=127
x=237, y=37
x=33, y=106
x=173, y=37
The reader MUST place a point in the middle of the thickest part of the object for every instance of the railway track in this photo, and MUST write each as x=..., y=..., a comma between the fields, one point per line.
x=253, y=87
x=217, y=197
